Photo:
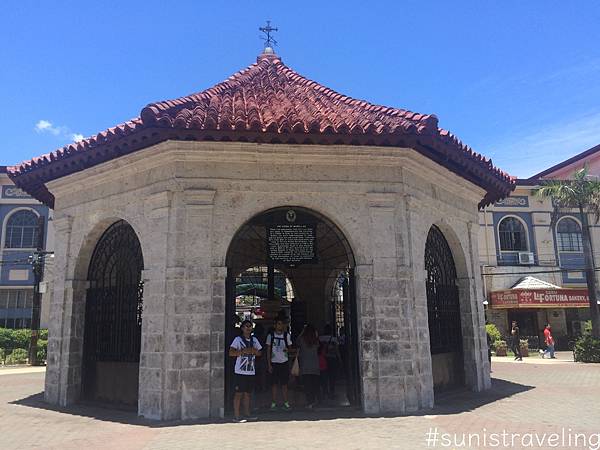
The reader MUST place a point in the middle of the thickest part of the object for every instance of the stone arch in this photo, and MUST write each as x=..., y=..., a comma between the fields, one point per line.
x=113, y=315
x=83, y=235
x=89, y=236
x=462, y=243
x=233, y=223
x=334, y=253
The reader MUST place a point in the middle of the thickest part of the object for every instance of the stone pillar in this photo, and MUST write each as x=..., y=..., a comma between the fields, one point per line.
x=65, y=336
x=156, y=277
x=414, y=272
x=368, y=355
x=52, y=390
x=477, y=370
x=188, y=311
x=217, y=343
x=389, y=383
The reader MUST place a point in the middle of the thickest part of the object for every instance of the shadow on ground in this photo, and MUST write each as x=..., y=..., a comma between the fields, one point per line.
x=453, y=402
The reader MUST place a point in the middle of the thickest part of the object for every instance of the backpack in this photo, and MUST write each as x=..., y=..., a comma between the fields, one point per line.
x=284, y=338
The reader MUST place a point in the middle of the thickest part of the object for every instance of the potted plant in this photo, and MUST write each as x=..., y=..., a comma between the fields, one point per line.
x=524, y=346
x=501, y=348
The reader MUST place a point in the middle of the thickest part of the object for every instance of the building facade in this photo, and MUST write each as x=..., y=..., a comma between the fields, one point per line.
x=370, y=213
x=533, y=268
x=19, y=215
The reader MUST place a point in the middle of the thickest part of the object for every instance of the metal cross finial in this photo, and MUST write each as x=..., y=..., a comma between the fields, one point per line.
x=269, y=41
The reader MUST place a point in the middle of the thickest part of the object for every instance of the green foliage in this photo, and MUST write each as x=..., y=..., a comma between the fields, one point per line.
x=524, y=343
x=19, y=339
x=501, y=344
x=494, y=333
x=42, y=350
x=18, y=356
x=587, y=349
x=2, y=355
x=10, y=338
x=580, y=191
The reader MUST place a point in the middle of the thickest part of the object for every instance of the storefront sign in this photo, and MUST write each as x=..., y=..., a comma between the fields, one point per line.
x=519, y=201
x=539, y=298
x=9, y=191
x=291, y=243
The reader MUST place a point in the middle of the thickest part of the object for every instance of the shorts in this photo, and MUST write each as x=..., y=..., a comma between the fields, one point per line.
x=280, y=374
x=243, y=383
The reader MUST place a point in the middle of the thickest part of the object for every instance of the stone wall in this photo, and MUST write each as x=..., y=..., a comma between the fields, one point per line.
x=186, y=200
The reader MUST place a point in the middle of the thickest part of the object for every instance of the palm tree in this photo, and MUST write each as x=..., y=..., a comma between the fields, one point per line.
x=581, y=193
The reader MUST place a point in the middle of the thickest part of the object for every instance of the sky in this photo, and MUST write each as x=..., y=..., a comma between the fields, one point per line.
x=518, y=81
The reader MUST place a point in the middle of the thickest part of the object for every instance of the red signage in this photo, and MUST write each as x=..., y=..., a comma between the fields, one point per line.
x=539, y=298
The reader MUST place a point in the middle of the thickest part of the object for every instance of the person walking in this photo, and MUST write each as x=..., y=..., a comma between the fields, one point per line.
x=308, y=359
x=245, y=348
x=549, y=340
x=516, y=341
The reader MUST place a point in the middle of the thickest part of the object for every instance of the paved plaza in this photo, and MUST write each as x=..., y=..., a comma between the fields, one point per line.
x=536, y=396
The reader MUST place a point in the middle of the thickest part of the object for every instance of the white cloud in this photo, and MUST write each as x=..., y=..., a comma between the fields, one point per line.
x=540, y=148
x=45, y=126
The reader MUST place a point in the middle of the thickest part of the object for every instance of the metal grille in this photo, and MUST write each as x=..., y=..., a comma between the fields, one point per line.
x=512, y=235
x=442, y=295
x=113, y=317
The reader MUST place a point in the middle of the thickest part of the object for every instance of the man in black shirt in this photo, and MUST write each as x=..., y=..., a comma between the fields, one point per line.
x=516, y=341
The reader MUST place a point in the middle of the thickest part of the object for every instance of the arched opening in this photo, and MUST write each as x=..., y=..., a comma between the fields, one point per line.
x=113, y=319
x=513, y=235
x=297, y=263
x=443, y=308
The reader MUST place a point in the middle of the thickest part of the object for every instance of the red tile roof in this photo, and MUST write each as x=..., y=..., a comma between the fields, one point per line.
x=270, y=103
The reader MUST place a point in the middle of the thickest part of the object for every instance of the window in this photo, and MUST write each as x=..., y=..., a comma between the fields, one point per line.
x=15, y=308
x=512, y=235
x=22, y=230
x=568, y=236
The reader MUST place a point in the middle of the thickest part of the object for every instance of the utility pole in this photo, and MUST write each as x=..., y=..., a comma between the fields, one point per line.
x=37, y=266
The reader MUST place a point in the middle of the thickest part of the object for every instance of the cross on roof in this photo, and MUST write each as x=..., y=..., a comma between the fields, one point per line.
x=269, y=41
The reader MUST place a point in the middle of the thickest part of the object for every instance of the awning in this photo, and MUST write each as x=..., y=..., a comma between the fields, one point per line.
x=533, y=283
x=539, y=298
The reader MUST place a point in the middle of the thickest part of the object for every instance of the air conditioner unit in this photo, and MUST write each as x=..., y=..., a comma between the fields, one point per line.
x=526, y=258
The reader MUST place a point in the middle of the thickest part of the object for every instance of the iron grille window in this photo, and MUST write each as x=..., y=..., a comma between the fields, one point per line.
x=568, y=235
x=21, y=230
x=114, y=303
x=443, y=305
x=512, y=235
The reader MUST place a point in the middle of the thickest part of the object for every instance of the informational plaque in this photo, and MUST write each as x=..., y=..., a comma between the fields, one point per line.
x=291, y=243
